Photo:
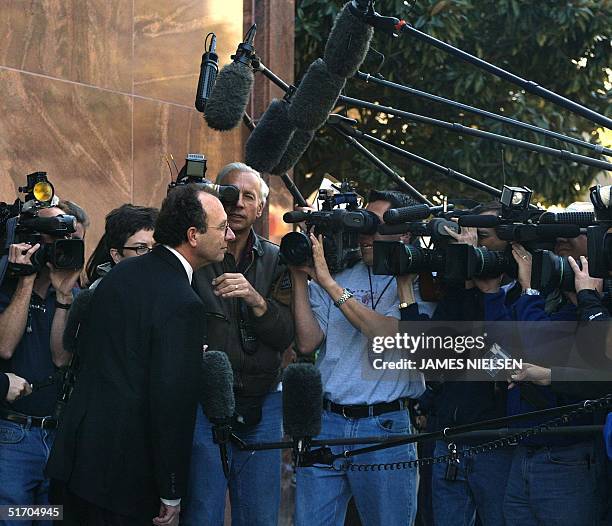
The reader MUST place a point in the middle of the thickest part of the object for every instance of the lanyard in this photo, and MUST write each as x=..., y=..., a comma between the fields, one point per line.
x=374, y=305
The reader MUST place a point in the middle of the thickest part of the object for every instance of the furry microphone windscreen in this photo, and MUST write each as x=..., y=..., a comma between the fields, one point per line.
x=297, y=146
x=347, y=44
x=302, y=401
x=217, y=387
x=268, y=141
x=76, y=315
x=315, y=97
x=229, y=97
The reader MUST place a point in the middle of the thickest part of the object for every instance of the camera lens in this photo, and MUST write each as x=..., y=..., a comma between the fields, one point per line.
x=295, y=248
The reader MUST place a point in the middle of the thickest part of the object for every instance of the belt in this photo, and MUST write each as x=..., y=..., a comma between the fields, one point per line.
x=44, y=422
x=364, y=411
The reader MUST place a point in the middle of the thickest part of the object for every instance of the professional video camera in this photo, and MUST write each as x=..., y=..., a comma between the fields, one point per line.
x=194, y=172
x=340, y=228
x=21, y=223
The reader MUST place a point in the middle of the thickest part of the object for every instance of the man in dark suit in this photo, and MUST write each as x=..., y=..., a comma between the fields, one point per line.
x=125, y=439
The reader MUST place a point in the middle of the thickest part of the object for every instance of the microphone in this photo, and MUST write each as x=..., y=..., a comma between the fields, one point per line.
x=297, y=216
x=410, y=213
x=76, y=316
x=217, y=399
x=582, y=219
x=347, y=44
x=483, y=221
x=208, y=73
x=230, y=95
x=315, y=97
x=302, y=406
x=545, y=232
x=270, y=138
x=298, y=144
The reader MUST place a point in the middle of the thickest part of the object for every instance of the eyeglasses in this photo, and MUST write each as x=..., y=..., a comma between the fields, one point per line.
x=140, y=250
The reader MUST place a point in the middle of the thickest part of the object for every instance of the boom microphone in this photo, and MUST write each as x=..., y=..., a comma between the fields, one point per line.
x=582, y=219
x=315, y=97
x=410, y=213
x=208, y=73
x=217, y=399
x=230, y=96
x=302, y=405
x=347, y=44
x=298, y=144
x=270, y=138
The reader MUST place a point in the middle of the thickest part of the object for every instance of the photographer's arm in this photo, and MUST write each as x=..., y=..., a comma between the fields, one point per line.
x=63, y=282
x=308, y=333
x=14, y=318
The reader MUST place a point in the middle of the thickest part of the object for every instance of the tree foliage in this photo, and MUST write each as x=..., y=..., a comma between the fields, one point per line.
x=563, y=45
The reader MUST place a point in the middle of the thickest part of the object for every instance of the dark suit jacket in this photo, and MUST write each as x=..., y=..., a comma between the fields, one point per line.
x=126, y=434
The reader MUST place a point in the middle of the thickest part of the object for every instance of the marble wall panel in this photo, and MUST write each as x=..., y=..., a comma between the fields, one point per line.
x=169, y=42
x=80, y=136
x=83, y=41
x=161, y=128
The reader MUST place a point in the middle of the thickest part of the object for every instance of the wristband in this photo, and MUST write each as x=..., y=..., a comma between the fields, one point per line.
x=403, y=306
x=65, y=306
x=346, y=294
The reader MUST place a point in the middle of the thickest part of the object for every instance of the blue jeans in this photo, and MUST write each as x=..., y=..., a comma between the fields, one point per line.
x=24, y=452
x=381, y=497
x=480, y=486
x=254, y=479
x=552, y=485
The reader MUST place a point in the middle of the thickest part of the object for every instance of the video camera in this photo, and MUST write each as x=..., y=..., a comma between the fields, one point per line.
x=21, y=223
x=340, y=228
x=194, y=172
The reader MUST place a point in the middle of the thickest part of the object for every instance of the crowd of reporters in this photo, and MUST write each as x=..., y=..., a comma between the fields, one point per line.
x=258, y=311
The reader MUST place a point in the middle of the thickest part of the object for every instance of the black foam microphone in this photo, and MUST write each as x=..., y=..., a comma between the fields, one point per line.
x=582, y=219
x=208, y=73
x=270, y=138
x=410, y=213
x=482, y=221
x=230, y=96
x=347, y=44
x=315, y=97
x=298, y=144
x=302, y=405
x=76, y=316
x=217, y=399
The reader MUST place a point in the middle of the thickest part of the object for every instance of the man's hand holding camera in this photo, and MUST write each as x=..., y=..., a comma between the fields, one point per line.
x=20, y=256
x=582, y=279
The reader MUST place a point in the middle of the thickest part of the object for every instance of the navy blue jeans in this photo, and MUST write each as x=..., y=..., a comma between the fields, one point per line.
x=480, y=486
x=24, y=452
x=254, y=480
x=554, y=485
x=384, y=497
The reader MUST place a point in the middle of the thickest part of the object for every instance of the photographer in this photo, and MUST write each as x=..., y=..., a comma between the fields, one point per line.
x=247, y=317
x=337, y=314
x=33, y=313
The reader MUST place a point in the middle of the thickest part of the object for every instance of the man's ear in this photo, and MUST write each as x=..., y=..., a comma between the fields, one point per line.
x=115, y=255
x=192, y=236
x=260, y=208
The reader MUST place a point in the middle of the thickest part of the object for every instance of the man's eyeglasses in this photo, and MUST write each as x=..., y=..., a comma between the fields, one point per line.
x=140, y=250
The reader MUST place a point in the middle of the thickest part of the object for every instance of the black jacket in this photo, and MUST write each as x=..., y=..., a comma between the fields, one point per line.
x=255, y=373
x=126, y=434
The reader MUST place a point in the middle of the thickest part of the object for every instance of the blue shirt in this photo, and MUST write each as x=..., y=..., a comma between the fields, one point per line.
x=346, y=371
x=32, y=357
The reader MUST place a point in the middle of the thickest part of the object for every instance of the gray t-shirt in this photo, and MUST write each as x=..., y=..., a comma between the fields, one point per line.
x=343, y=356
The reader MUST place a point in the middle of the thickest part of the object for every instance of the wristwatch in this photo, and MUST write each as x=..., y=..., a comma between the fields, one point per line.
x=403, y=305
x=531, y=292
x=346, y=294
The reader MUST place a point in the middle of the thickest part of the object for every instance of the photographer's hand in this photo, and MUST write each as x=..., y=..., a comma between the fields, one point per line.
x=321, y=271
x=467, y=235
x=531, y=373
x=18, y=387
x=523, y=260
x=405, y=289
x=63, y=281
x=582, y=279
x=235, y=285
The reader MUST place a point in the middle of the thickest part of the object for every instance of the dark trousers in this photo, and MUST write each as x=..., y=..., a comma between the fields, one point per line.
x=79, y=512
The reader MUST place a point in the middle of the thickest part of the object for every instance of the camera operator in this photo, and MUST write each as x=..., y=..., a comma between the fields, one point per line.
x=474, y=485
x=248, y=318
x=33, y=313
x=337, y=315
x=566, y=463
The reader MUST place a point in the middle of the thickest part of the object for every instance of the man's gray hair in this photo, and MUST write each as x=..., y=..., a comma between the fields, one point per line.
x=264, y=190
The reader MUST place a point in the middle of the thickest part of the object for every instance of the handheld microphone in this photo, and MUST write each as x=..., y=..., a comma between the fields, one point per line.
x=302, y=406
x=298, y=144
x=217, y=399
x=208, y=74
x=315, y=97
x=270, y=138
x=348, y=43
x=410, y=213
x=482, y=221
x=230, y=95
